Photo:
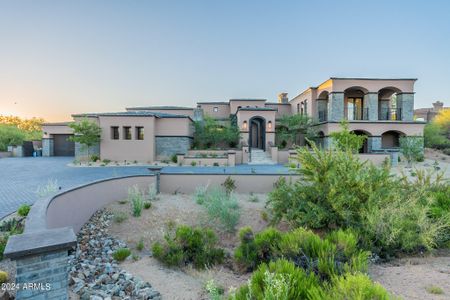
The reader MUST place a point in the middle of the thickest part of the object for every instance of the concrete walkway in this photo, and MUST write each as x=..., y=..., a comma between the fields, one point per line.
x=21, y=177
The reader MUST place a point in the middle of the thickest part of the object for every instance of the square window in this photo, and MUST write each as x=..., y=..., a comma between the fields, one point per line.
x=114, y=132
x=215, y=109
x=139, y=133
x=127, y=133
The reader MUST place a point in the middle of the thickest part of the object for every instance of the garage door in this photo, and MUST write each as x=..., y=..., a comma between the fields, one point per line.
x=62, y=146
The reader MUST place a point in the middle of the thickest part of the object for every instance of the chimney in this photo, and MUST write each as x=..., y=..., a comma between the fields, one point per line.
x=438, y=105
x=283, y=98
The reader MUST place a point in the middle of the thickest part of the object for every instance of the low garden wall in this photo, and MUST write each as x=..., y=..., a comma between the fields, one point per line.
x=210, y=158
x=41, y=251
x=376, y=158
x=245, y=183
x=5, y=154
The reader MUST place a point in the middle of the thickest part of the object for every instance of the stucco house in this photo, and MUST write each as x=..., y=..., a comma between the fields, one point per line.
x=381, y=109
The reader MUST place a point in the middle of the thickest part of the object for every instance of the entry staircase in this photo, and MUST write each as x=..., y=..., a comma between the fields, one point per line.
x=260, y=157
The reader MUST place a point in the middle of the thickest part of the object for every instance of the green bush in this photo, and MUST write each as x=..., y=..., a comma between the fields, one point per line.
x=435, y=136
x=147, y=204
x=121, y=254
x=278, y=280
x=336, y=254
x=140, y=245
x=11, y=225
x=411, y=148
x=3, y=242
x=229, y=185
x=390, y=214
x=193, y=163
x=94, y=157
x=345, y=140
x=10, y=135
x=23, y=210
x=210, y=134
x=174, y=158
x=187, y=245
x=136, y=199
x=222, y=208
x=3, y=277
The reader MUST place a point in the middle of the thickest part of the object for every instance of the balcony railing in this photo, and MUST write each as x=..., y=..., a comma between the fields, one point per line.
x=357, y=115
x=390, y=114
x=323, y=115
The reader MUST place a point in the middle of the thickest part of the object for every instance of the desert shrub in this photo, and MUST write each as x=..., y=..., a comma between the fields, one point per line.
x=136, y=199
x=433, y=289
x=49, y=189
x=106, y=161
x=94, y=157
x=174, y=158
x=121, y=254
x=216, y=164
x=3, y=242
x=222, y=209
x=200, y=194
x=152, y=193
x=187, y=245
x=3, y=277
x=229, y=185
x=23, y=210
x=336, y=254
x=147, y=204
x=11, y=225
x=253, y=198
x=357, y=286
x=345, y=140
x=280, y=279
x=391, y=214
x=215, y=291
x=193, y=163
x=119, y=216
x=412, y=148
x=140, y=245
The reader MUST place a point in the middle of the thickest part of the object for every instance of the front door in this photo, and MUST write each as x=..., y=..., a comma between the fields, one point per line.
x=257, y=133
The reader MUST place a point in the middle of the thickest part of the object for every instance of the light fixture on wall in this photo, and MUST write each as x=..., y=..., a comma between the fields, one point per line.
x=269, y=124
x=244, y=125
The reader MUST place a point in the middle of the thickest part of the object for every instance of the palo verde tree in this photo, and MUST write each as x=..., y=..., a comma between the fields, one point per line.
x=86, y=132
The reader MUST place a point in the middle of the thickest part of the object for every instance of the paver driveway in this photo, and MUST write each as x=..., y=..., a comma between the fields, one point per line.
x=21, y=177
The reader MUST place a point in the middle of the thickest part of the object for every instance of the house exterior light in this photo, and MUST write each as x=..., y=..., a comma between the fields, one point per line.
x=244, y=125
x=269, y=124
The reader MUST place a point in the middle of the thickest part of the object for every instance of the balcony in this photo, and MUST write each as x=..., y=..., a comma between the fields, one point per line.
x=390, y=114
x=356, y=114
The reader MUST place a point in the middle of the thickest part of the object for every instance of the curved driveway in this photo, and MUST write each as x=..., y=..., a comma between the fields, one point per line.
x=21, y=177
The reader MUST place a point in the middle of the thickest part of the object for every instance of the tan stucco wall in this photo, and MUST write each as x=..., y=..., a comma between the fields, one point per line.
x=282, y=109
x=75, y=207
x=49, y=130
x=375, y=129
x=307, y=95
x=244, y=103
x=187, y=183
x=222, y=113
x=246, y=115
x=173, y=127
x=340, y=85
x=140, y=150
x=182, y=112
x=376, y=159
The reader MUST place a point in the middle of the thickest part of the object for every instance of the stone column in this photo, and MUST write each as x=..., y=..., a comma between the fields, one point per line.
x=42, y=269
x=405, y=101
x=371, y=106
x=336, y=106
x=375, y=143
x=47, y=147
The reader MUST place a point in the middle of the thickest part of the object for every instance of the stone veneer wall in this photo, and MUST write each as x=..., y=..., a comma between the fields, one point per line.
x=47, y=272
x=80, y=150
x=47, y=147
x=169, y=145
x=336, y=106
x=406, y=102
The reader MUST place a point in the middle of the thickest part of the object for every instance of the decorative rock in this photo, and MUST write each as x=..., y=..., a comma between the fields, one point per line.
x=94, y=274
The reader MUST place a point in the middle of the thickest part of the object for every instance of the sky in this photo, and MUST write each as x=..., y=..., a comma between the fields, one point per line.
x=63, y=57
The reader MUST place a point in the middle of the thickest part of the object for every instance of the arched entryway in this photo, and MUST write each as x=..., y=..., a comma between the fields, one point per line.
x=354, y=108
x=365, y=146
x=320, y=141
x=391, y=139
x=257, y=133
x=388, y=106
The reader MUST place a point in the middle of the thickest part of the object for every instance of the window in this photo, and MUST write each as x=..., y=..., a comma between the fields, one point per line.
x=114, y=132
x=298, y=107
x=306, y=107
x=215, y=109
x=126, y=132
x=139, y=133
